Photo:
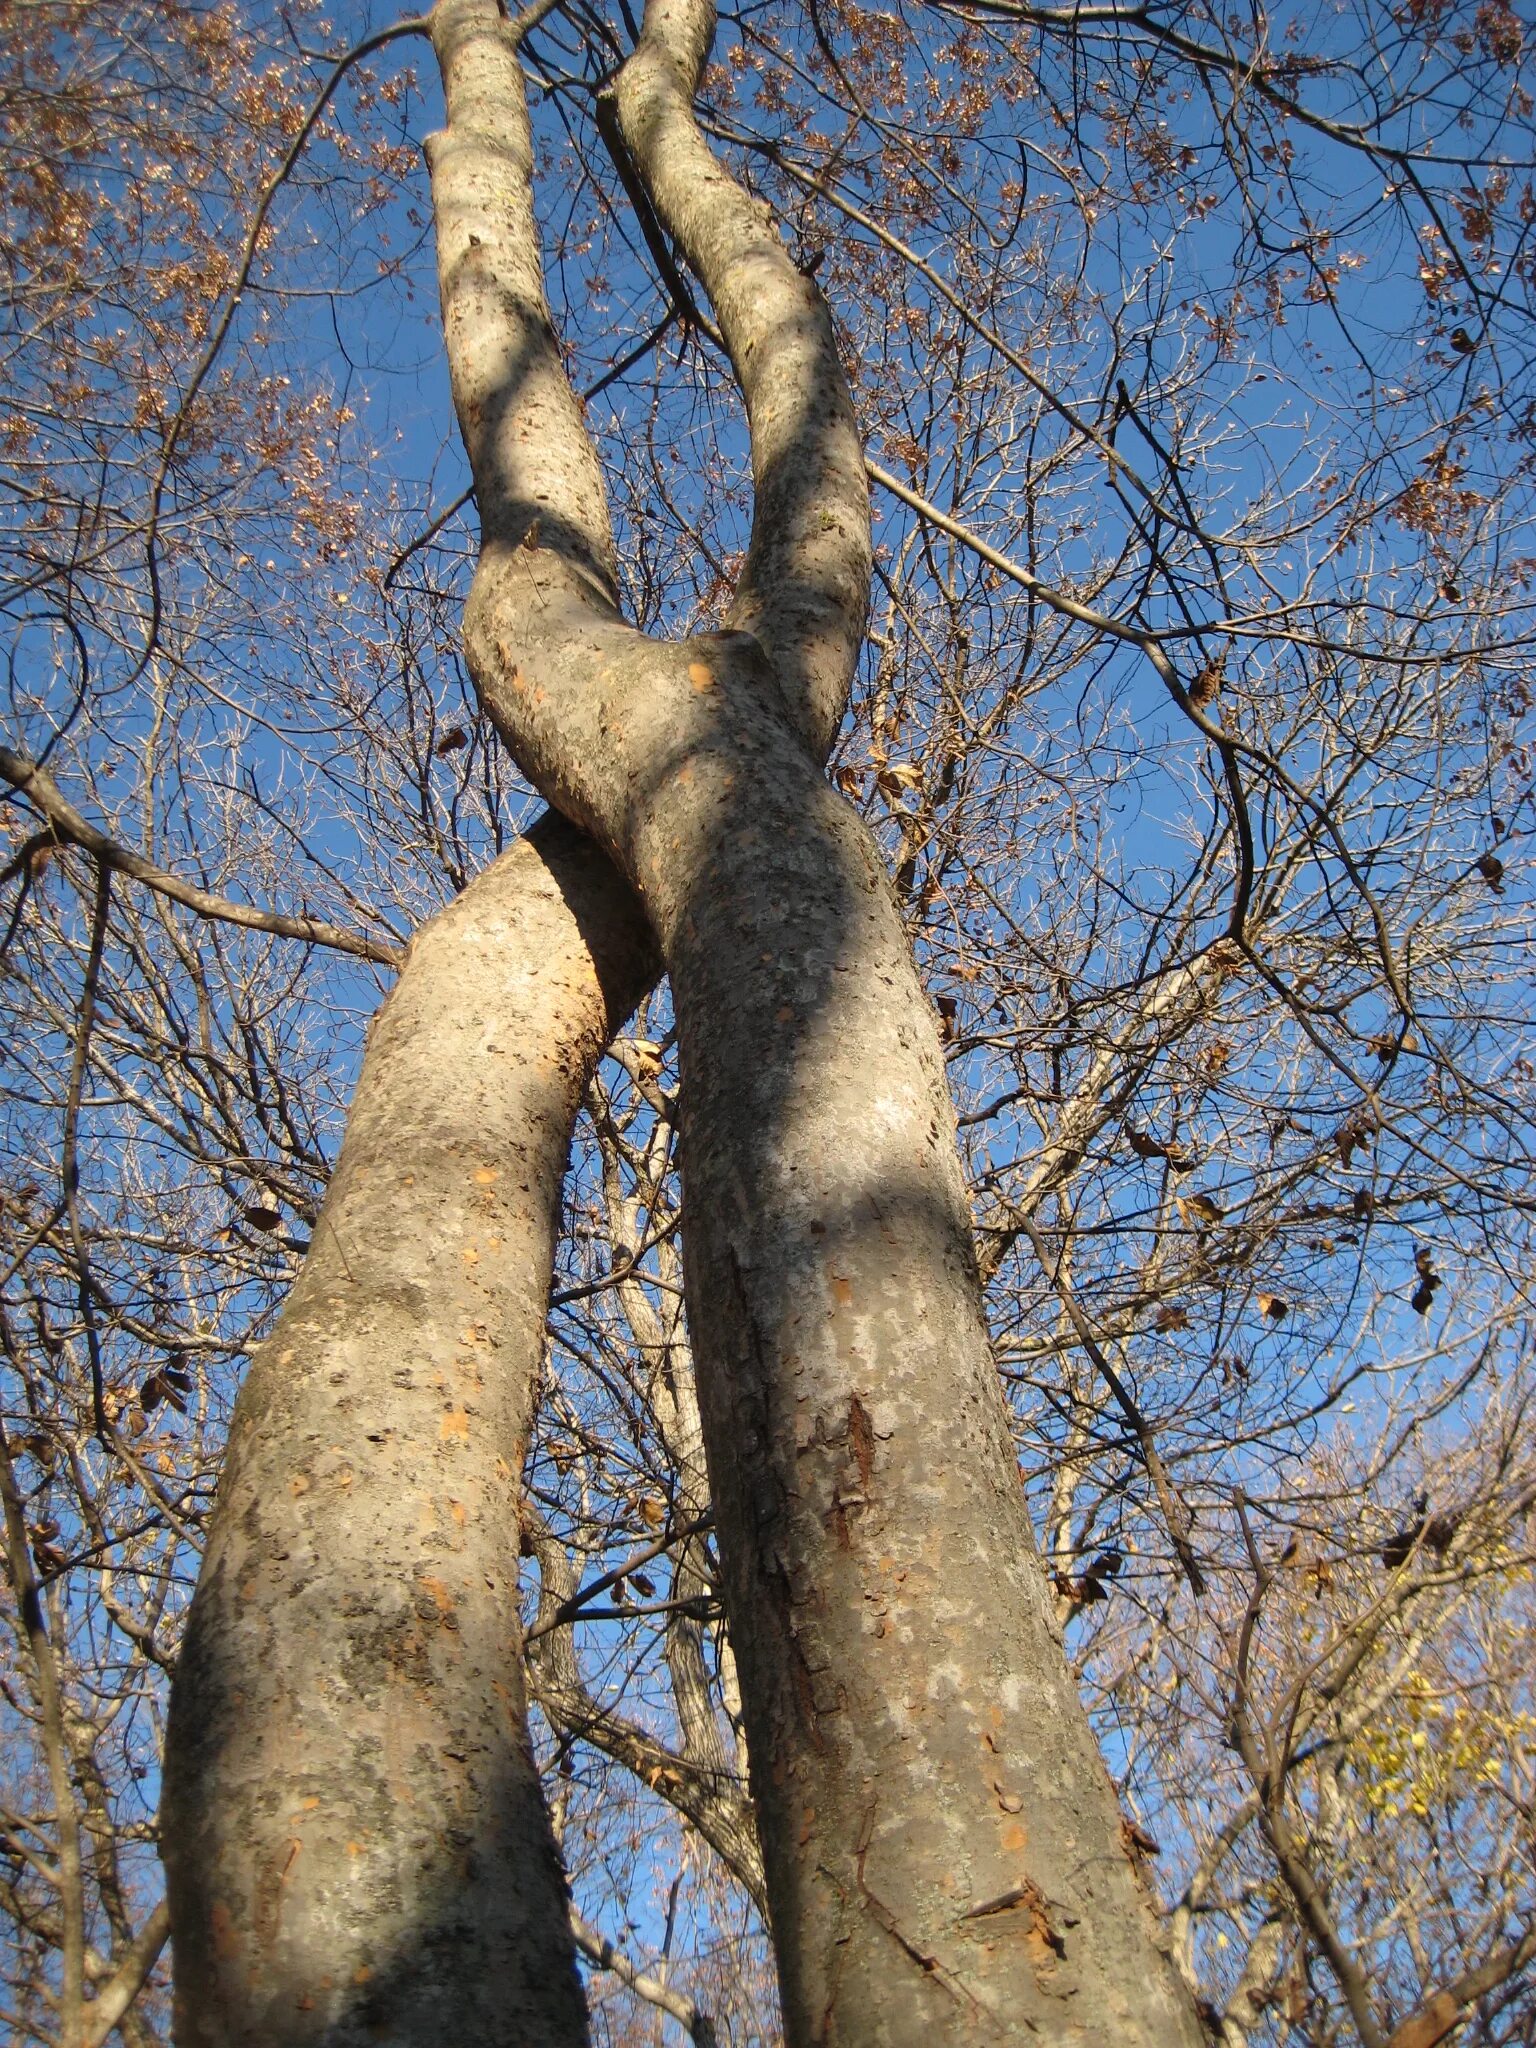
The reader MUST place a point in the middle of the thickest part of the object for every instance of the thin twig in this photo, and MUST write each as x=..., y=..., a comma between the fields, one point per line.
x=70, y=1165
x=1268, y=1780
x=70, y=827
x=1175, y=1513
x=568, y=1610
x=429, y=534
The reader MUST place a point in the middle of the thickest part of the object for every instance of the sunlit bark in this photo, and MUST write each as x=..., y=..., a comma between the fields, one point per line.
x=354, y=1832
x=941, y=1845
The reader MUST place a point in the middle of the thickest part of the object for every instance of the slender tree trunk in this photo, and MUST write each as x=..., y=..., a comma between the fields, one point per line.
x=940, y=1838
x=354, y=1832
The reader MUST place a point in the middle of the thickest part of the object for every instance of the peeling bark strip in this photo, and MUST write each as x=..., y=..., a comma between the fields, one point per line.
x=917, y=1745
x=355, y=1837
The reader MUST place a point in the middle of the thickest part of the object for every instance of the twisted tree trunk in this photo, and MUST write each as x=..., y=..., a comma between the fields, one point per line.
x=940, y=1840
x=354, y=1835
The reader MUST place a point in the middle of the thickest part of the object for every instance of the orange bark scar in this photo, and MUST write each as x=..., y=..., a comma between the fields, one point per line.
x=454, y=1423
x=226, y=1935
x=701, y=676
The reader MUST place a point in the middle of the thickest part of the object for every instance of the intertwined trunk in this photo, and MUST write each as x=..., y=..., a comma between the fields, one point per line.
x=355, y=1841
x=940, y=1841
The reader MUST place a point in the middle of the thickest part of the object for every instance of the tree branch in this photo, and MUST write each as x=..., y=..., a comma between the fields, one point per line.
x=110, y=2004
x=67, y=825
x=1175, y=1513
x=597, y=1948
x=1438, y=2015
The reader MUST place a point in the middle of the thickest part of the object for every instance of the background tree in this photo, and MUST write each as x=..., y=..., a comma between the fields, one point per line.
x=1213, y=335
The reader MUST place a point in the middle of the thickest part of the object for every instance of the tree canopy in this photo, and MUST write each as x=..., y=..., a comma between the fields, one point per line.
x=1191, y=352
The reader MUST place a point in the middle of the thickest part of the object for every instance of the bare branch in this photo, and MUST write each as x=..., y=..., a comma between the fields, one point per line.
x=69, y=826
x=600, y=1950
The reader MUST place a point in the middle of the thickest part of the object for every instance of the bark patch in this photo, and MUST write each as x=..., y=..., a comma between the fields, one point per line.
x=1028, y=1900
x=861, y=1435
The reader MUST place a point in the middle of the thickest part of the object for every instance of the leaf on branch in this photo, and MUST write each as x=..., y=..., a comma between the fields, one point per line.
x=1090, y=1587
x=1145, y=1146
x=1206, y=686
x=1387, y=1044
x=260, y=1217
x=1275, y=1306
x=160, y=1387
x=1198, y=1212
x=1080, y=1592
x=1172, y=1318
x=1424, y=1293
x=1348, y=1139
x=1398, y=1547
x=1491, y=868
x=646, y=1054
x=1136, y=1841
x=454, y=738
x=896, y=776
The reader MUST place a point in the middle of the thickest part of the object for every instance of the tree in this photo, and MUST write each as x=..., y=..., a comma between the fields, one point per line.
x=1265, y=1069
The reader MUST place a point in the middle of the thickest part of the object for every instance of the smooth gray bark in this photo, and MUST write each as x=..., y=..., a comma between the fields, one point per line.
x=940, y=1838
x=356, y=1845
x=354, y=1832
